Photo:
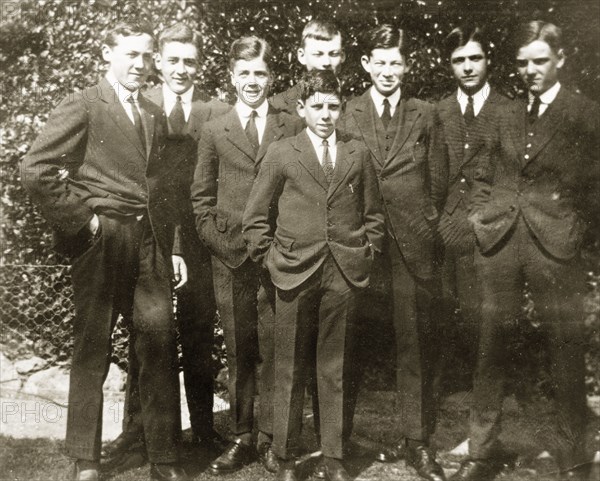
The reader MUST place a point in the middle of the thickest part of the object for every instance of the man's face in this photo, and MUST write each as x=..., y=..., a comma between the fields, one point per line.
x=469, y=66
x=251, y=81
x=322, y=54
x=321, y=112
x=178, y=63
x=538, y=66
x=386, y=66
x=130, y=60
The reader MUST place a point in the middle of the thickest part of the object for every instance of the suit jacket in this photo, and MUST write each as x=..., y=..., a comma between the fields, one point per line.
x=181, y=151
x=457, y=173
x=548, y=173
x=287, y=101
x=406, y=175
x=89, y=158
x=314, y=217
x=223, y=178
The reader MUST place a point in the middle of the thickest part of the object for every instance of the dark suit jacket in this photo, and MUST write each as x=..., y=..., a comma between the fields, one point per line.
x=287, y=101
x=89, y=158
x=458, y=170
x=406, y=174
x=182, y=152
x=548, y=173
x=314, y=217
x=223, y=178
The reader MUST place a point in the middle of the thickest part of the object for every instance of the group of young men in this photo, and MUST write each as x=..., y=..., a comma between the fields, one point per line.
x=274, y=212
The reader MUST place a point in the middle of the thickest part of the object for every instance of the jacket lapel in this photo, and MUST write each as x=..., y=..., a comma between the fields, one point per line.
x=343, y=164
x=236, y=135
x=363, y=114
x=308, y=159
x=148, y=121
x=454, y=128
x=198, y=116
x=407, y=116
x=274, y=130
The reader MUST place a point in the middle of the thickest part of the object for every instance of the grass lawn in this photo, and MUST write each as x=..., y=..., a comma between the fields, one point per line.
x=525, y=429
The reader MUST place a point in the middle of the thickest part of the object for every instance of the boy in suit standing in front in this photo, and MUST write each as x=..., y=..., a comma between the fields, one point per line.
x=329, y=227
x=230, y=151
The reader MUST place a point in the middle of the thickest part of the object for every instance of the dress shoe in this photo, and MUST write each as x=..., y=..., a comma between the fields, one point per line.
x=335, y=471
x=423, y=460
x=235, y=457
x=476, y=470
x=286, y=471
x=85, y=471
x=167, y=472
x=124, y=442
x=389, y=454
x=268, y=458
x=319, y=471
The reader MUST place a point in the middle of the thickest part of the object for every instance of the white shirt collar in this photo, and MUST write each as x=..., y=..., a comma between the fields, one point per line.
x=378, y=100
x=122, y=93
x=170, y=97
x=548, y=96
x=244, y=110
x=318, y=144
x=479, y=98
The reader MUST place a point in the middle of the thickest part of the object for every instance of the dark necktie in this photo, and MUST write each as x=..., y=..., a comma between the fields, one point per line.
x=386, y=116
x=252, y=131
x=137, y=120
x=177, y=117
x=327, y=162
x=469, y=111
x=534, y=111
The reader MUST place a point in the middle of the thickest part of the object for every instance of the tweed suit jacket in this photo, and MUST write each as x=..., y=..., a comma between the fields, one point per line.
x=548, y=173
x=89, y=158
x=407, y=176
x=224, y=176
x=460, y=161
x=314, y=217
x=287, y=101
x=181, y=151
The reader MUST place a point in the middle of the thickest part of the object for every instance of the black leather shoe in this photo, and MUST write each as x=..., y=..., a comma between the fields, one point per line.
x=268, y=458
x=319, y=471
x=124, y=442
x=476, y=470
x=85, y=471
x=335, y=471
x=286, y=471
x=168, y=472
x=423, y=460
x=389, y=454
x=235, y=457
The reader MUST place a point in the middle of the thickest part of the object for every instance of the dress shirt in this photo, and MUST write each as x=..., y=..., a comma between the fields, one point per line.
x=123, y=94
x=244, y=112
x=378, y=101
x=318, y=145
x=170, y=98
x=479, y=99
x=545, y=99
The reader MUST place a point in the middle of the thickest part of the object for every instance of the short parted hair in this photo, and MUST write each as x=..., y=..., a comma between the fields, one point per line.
x=249, y=48
x=538, y=30
x=181, y=33
x=464, y=34
x=322, y=81
x=386, y=36
x=127, y=29
x=320, y=29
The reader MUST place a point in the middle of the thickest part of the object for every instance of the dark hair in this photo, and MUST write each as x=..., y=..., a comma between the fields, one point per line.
x=323, y=81
x=320, y=29
x=464, y=34
x=538, y=30
x=248, y=48
x=127, y=29
x=181, y=33
x=386, y=36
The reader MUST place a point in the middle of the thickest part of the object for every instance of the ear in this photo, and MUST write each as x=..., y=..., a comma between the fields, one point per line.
x=106, y=52
x=301, y=54
x=232, y=80
x=300, y=108
x=157, y=60
x=366, y=64
x=343, y=57
x=561, y=58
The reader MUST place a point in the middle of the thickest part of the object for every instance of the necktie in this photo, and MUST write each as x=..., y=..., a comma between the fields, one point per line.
x=137, y=120
x=469, y=111
x=327, y=163
x=386, y=116
x=252, y=131
x=177, y=117
x=534, y=111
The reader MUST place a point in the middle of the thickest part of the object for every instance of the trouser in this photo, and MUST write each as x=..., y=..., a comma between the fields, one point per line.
x=313, y=321
x=124, y=272
x=246, y=301
x=557, y=288
x=196, y=310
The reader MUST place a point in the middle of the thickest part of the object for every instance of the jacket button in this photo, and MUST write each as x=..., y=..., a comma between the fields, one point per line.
x=512, y=208
x=463, y=180
x=387, y=148
x=528, y=146
x=526, y=156
x=466, y=146
x=530, y=134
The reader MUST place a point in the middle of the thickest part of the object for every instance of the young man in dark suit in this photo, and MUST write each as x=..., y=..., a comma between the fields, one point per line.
x=321, y=48
x=535, y=195
x=401, y=136
x=187, y=109
x=329, y=225
x=96, y=174
x=460, y=115
x=230, y=151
